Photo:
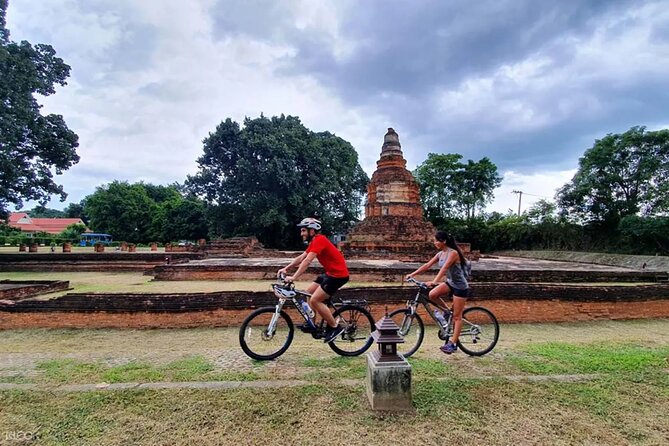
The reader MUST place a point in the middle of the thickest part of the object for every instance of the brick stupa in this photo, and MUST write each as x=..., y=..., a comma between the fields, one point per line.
x=394, y=226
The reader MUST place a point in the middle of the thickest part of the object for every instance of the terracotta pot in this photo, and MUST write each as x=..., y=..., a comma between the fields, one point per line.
x=99, y=247
x=22, y=247
x=33, y=248
x=132, y=247
x=67, y=247
x=154, y=246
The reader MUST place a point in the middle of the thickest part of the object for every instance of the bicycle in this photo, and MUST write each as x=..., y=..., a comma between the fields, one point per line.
x=479, y=334
x=267, y=332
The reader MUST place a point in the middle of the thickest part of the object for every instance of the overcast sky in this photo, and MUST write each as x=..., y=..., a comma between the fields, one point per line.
x=528, y=83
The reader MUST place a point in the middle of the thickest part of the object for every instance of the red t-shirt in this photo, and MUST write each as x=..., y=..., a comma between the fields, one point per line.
x=329, y=256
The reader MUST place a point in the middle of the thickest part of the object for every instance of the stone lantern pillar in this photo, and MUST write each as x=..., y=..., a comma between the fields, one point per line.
x=388, y=373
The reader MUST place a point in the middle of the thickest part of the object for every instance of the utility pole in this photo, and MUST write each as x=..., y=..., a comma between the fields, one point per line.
x=520, y=197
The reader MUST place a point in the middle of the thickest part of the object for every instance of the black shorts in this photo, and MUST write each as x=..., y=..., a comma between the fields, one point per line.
x=459, y=292
x=330, y=284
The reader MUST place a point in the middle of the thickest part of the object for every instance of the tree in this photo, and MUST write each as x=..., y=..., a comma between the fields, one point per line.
x=620, y=175
x=450, y=188
x=145, y=212
x=73, y=231
x=121, y=209
x=475, y=187
x=262, y=178
x=183, y=220
x=76, y=210
x=541, y=211
x=32, y=146
x=44, y=212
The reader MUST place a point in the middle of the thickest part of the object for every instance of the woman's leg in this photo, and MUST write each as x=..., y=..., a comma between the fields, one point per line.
x=458, y=307
x=437, y=292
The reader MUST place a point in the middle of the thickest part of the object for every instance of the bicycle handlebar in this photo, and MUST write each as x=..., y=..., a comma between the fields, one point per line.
x=416, y=282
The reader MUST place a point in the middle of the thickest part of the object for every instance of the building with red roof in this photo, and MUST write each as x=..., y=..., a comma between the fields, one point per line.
x=22, y=221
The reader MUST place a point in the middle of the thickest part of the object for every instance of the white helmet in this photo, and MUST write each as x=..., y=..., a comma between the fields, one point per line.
x=311, y=223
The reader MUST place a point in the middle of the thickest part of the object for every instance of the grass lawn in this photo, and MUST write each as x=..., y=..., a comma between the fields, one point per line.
x=518, y=394
x=136, y=282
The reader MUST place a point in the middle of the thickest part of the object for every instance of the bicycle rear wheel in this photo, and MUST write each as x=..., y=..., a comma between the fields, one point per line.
x=357, y=335
x=412, y=330
x=480, y=331
x=255, y=340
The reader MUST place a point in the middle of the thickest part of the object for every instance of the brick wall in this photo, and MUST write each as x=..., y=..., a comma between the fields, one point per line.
x=20, y=289
x=510, y=302
x=395, y=274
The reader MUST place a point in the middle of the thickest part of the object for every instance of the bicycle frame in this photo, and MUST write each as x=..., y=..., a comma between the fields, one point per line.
x=287, y=293
x=422, y=298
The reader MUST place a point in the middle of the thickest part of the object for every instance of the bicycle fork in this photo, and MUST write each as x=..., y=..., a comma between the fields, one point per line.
x=271, y=328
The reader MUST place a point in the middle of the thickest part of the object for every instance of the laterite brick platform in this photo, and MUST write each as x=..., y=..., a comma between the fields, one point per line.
x=511, y=302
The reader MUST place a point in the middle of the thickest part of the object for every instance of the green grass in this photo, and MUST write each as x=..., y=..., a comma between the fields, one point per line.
x=137, y=282
x=457, y=399
x=566, y=358
x=195, y=368
x=466, y=411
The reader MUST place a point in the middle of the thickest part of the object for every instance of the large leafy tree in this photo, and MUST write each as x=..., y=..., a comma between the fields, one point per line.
x=142, y=212
x=450, y=188
x=621, y=175
x=32, y=147
x=121, y=209
x=261, y=178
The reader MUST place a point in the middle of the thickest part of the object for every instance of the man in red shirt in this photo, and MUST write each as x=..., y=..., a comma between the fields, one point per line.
x=336, y=272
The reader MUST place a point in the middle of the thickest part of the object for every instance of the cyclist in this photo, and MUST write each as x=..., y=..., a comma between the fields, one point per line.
x=453, y=265
x=327, y=284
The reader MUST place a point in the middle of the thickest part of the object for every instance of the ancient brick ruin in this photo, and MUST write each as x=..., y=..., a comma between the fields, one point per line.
x=394, y=226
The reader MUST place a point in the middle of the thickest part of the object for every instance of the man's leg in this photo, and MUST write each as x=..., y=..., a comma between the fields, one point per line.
x=317, y=302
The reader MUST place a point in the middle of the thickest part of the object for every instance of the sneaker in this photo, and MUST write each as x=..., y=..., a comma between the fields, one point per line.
x=448, y=348
x=332, y=333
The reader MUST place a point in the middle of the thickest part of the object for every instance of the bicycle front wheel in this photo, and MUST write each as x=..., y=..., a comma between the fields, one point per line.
x=357, y=335
x=256, y=340
x=411, y=329
x=480, y=331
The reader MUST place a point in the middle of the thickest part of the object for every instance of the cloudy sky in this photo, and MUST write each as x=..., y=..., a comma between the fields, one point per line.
x=528, y=83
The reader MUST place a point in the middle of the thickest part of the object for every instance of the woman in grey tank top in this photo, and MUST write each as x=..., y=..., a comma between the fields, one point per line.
x=451, y=279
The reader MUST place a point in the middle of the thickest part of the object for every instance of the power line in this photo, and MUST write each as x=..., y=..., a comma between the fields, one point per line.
x=520, y=197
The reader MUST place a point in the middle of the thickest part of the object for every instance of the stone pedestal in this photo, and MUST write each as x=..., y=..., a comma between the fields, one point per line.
x=388, y=384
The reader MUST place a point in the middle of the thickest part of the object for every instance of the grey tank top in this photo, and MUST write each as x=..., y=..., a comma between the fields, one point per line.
x=456, y=276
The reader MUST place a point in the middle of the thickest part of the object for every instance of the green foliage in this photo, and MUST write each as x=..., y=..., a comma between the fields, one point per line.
x=73, y=231
x=32, y=147
x=144, y=212
x=621, y=175
x=644, y=235
x=44, y=212
x=121, y=209
x=76, y=210
x=450, y=188
x=262, y=178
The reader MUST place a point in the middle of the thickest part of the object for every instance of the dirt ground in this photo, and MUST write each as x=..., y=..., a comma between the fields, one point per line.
x=22, y=350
